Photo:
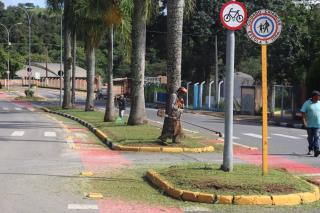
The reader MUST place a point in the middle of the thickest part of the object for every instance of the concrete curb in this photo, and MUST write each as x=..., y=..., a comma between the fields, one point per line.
x=104, y=138
x=276, y=200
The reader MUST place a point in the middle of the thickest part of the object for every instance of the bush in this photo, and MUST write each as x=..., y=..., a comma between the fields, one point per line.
x=29, y=92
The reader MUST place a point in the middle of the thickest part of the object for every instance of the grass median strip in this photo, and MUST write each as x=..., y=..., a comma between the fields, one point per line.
x=133, y=136
x=244, y=180
x=209, y=184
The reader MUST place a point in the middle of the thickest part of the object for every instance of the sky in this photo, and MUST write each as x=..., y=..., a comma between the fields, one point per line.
x=41, y=3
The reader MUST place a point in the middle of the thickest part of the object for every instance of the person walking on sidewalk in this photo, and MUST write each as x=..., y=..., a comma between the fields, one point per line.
x=172, y=124
x=311, y=119
x=122, y=106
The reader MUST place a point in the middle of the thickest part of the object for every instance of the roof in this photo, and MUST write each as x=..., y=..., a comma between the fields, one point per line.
x=53, y=69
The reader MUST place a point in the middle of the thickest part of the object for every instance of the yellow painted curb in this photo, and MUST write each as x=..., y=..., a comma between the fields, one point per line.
x=253, y=200
x=317, y=192
x=100, y=134
x=172, y=149
x=190, y=196
x=224, y=199
x=149, y=149
x=175, y=193
x=206, y=198
x=308, y=197
x=116, y=147
x=86, y=174
x=286, y=200
x=95, y=195
x=130, y=148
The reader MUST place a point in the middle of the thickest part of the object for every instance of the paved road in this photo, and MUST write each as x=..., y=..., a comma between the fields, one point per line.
x=288, y=142
x=37, y=168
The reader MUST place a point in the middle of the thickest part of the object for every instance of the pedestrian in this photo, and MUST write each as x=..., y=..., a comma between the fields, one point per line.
x=122, y=106
x=172, y=124
x=311, y=119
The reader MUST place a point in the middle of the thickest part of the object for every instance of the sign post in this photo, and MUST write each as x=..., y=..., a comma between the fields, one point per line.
x=264, y=27
x=233, y=16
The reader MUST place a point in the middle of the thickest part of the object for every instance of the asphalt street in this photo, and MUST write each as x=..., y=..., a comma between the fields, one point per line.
x=37, y=168
x=283, y=141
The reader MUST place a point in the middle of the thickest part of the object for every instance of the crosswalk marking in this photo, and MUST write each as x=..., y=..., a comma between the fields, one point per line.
x=287, y=136
x=17, y=133
x=82, y=206
x=253, y=135
x=50, y=134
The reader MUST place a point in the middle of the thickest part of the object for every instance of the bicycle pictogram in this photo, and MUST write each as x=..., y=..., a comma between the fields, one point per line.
x=233, y=15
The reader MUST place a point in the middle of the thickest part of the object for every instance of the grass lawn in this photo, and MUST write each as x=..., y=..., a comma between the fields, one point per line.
x=141, y=135
x=244, y=180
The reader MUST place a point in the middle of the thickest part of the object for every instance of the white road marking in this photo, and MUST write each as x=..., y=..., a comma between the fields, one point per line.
x=253, y=135
x=304, y=135
x=50, y=134
x=18, y=108
x=235, y=138
x=287, y=136
x=17, y=133
x=5, y=108
x=82, y=206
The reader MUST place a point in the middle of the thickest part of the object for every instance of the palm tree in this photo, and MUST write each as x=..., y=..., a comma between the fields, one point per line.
x=139, y=20
x=176, y=11
x=92, y=27
x=68, y=20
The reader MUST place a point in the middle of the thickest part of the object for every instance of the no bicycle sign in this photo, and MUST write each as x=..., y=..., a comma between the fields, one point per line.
x=233, y=15
x=264, y=27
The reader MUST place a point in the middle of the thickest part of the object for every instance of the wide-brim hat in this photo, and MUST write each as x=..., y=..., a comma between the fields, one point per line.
x=315, y=93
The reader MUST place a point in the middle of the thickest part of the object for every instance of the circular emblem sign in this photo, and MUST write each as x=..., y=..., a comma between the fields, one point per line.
x=264, y=27
x=233, y=15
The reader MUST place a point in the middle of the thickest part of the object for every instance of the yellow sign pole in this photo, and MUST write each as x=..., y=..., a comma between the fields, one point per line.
x=264, y=110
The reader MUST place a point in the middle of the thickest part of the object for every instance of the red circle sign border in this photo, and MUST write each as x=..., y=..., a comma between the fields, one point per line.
x=244, y=19
x=275, y=18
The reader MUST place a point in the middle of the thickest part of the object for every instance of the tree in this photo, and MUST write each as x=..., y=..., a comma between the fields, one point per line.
x=139, y=20
x=68, y=21
x=92, y=27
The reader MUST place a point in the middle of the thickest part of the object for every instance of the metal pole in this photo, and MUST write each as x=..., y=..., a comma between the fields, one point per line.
x=187, y=101
x=61, y=60
x=228, y=124
x=219, y=93
x=264, y=110
x=29, y=19
x=201, y=94
x=8, y=71
x=209, y=102
x=217, y=67
x=282, y=100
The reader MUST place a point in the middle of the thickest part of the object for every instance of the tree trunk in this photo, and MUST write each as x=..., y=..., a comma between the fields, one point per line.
x=137, y=112
x=74, y=57
x=67, y=59
x=174, y=53
x=90, y=62
x=174, y=43
x=109, y=112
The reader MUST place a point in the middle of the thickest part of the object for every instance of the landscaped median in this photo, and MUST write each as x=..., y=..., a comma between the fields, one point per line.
x=141, y=138
x=245, y=186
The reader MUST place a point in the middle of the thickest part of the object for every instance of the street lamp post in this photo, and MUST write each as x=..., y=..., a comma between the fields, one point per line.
x=9, y=43
x=29, y=29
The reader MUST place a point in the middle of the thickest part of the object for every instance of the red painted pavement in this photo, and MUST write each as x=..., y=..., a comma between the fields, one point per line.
x=116, y=206
x=255, y=157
